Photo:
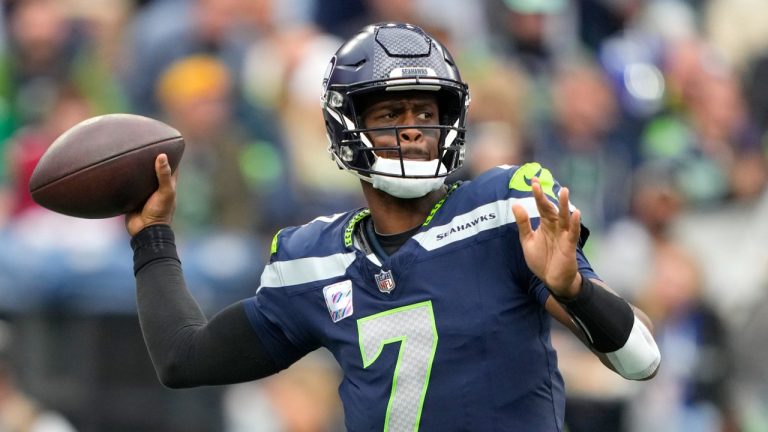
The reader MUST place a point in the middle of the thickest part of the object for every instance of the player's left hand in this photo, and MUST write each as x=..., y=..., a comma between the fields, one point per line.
x=550, y=249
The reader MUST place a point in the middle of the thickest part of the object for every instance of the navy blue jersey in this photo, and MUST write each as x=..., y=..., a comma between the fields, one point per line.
x=448, y=333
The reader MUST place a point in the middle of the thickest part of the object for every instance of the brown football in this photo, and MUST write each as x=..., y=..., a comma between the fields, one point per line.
x=104, y=166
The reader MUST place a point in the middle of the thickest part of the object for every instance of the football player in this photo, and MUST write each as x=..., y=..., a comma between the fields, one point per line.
x=435, y=299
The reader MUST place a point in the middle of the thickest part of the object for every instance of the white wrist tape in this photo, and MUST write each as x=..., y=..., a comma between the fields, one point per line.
x=639, y=357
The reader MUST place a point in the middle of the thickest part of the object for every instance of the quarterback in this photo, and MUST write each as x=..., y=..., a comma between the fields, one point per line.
x=436, y=299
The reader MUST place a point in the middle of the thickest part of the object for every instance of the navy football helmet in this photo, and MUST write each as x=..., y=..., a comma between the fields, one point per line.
x=386, y=58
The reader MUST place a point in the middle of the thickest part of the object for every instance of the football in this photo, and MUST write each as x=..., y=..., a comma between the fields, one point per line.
x=104, y=166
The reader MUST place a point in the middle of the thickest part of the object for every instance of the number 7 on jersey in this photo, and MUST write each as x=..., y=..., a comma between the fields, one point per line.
x=414, y=327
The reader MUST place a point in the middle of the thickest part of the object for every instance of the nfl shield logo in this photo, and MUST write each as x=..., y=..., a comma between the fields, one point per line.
x=385, y=281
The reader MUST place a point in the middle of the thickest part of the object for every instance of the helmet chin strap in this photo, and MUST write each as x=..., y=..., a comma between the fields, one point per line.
x=404, y=187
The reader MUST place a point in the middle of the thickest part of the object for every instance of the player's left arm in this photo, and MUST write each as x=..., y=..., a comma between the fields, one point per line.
x=627, y=349
x=619, y=333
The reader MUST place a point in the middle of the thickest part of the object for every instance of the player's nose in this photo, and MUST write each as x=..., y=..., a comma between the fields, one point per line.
x=410, y=134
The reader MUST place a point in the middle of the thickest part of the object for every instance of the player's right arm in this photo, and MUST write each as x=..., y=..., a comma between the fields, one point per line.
x=186, y=348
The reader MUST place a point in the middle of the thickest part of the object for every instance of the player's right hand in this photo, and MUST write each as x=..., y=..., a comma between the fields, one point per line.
x=159, y=207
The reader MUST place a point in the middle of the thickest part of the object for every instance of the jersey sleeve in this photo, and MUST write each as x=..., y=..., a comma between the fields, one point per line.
x=276, y=317
x=541, y=292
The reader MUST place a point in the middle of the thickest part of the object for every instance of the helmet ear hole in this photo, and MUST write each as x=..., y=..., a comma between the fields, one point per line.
x=359, y=156
x=449, y=107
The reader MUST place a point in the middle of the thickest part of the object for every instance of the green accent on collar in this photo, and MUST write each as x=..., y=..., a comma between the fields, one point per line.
x=439, y=204
x=273, y=249
x=521, y=180
x=362, y=214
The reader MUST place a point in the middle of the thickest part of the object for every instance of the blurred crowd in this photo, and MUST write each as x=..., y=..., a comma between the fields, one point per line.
x=653, y=112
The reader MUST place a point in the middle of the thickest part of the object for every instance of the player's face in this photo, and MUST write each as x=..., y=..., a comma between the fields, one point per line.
x=406, y=110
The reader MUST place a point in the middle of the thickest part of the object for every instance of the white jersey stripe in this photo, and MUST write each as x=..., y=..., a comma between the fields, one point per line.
x=327, y=219
x=485, y=217
x=304, y=270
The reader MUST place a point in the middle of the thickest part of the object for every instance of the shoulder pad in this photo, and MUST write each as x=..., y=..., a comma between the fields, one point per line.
x=319, y=237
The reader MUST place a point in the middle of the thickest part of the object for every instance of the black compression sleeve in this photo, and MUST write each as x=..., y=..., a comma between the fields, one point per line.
x=153, y=243
x=186, y=349
x=605, y=318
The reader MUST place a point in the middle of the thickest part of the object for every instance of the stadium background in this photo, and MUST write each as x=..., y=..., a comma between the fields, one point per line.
x=654, y=113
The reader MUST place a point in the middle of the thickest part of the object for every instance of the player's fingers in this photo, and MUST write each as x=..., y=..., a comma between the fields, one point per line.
x=523, y=221
x=164, y=175
x=563, y=210
x=574, y=231
x=546, y=209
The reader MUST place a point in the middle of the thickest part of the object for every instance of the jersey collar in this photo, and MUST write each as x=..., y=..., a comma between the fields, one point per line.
x=364, y=213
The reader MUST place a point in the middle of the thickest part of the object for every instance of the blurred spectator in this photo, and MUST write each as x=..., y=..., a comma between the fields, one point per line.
x=651, y=60
x=535, y=33
x=232, y=180
x=497, y=118
x=289, y=82
x=693, y=389
x=733, y=281
x=166, y=31
x=52, y=260
x=493, y=144
x=583, y=144
x=235, y=190
x=303, y=398
x=601, y=19
x=46, y=48
x=598, y=400
x=683, y=61
x=736, y=29
x=536, y=36
x=18, y=411
x=707, y=136
x=656, y=204
x=464, y=21
x=104, y=22
x=27, y=146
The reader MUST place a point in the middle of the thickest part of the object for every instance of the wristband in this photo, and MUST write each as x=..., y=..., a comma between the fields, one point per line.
x=152, y=243
x=605, y=318
x=640, y=357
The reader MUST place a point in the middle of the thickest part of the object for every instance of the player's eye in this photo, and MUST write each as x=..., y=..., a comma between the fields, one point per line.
x=386, y=116
x=426, y=115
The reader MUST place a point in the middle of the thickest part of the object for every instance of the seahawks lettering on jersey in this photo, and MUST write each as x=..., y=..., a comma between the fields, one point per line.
x=466, y=226
x=461, y=343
